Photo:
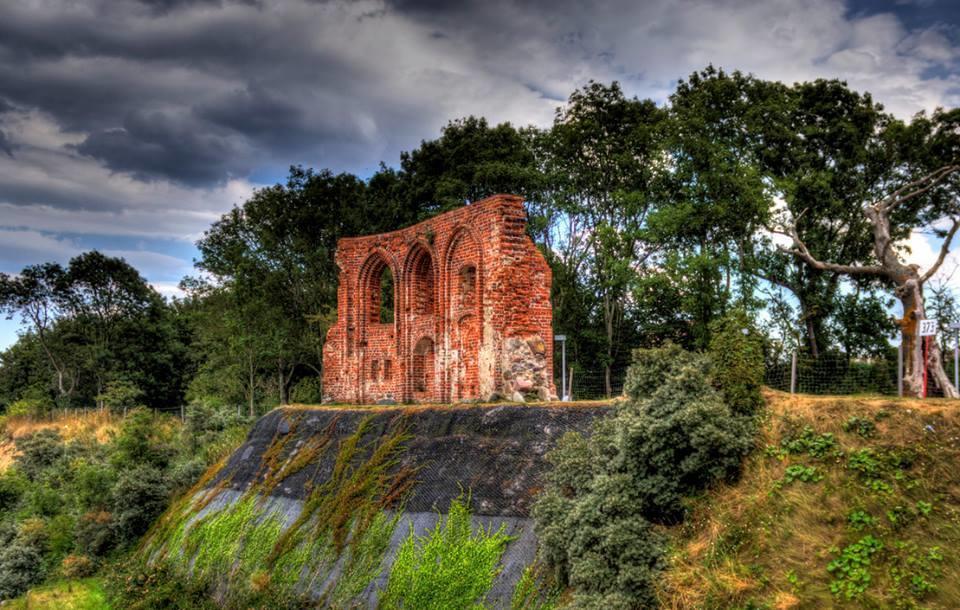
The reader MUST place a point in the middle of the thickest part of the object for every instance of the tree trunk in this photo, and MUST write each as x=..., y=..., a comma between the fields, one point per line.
x=910, y=293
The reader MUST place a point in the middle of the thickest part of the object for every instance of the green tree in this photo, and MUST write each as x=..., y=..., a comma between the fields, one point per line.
x=716, y=196
x=602, y=159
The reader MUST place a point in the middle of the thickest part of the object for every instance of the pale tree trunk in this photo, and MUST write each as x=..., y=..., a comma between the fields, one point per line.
x=910, y=293
x=907, y=280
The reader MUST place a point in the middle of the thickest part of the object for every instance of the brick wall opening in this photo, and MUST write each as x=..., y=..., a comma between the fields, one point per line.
x=424, y=368
x=442, y=311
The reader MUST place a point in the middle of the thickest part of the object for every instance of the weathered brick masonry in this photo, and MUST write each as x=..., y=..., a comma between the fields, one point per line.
x=472, y=314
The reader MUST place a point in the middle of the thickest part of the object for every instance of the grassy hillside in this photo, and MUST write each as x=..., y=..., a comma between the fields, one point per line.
x=849, y=501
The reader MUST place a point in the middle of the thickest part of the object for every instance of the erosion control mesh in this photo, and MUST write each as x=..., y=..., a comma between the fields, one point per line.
x=496, y=454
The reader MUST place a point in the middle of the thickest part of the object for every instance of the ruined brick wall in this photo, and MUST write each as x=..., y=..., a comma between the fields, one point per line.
x=471, y=317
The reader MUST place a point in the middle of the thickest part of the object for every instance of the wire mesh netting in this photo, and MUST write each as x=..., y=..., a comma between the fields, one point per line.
x=839, y=373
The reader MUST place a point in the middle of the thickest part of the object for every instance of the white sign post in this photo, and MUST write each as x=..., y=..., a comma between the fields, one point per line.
x=928, y=328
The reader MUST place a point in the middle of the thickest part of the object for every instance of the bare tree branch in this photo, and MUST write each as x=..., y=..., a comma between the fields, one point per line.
x=921, y=185
x=944, y=249
x=800, y=250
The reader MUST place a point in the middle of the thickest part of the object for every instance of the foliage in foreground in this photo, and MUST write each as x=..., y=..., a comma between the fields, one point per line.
x=242, y=552
x=84, y=594
x=450, y=567
x=674, y=436
x=69, y=504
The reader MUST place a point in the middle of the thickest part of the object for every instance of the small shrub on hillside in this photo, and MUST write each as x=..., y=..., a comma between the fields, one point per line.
x=861, y=426
x=12, y=487
x=851, y=570
x=184, y=474
x=799, y=472
x=736, y=350
x=34, y=408
x=96, y=534
x=212, y=429
x=93, y=482
x=139, y=497
x=121, y=396
x=141, y=442
x=308, y=391
x=39, y=451
x=809, y=442
x=43, y=500
x=675, y=437
x=133, y=585
x=21, y=566
x=859, y=520
x=77, y=566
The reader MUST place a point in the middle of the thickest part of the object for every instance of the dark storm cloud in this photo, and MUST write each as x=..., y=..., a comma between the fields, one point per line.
x=154, y=145
x=200, y=92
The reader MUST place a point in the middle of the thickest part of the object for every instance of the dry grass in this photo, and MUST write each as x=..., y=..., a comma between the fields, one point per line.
x=760, y=543
x=94, y=426
x=98, y=425
x=414, y=408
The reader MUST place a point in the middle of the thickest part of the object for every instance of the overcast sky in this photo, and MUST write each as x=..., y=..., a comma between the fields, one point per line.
x=130, y=125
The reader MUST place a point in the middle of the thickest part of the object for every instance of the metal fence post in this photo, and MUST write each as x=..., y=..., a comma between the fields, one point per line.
x=900, y=370
x=793, y=373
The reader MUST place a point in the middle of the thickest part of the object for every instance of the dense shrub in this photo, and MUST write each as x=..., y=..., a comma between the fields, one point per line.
x=308, y=391
x=736, y=350
x=212, y=429
x=21, y=565
x=93, y=482
x=140, y=495
x=39, y=451
x=133, y=585
x=35, y=408
x=96, y=534
x=12, y=487
x=675, y=436
x=141, y=442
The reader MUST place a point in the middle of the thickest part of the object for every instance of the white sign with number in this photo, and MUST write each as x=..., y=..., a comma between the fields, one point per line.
x=928, y=328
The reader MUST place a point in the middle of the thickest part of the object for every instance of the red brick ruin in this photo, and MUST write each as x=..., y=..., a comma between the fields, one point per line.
x=471, y=316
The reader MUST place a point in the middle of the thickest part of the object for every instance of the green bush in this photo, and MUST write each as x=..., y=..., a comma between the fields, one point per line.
x=93, y=483
x=139, y=497
x=140, y=442
x=134, y=585
x=39, y=451
x=451, y=567
x=21, y=565
x=12, y=487
x=650, y=366
x=34, y=408
x=308, y=391
x=736, y=350
x=674, y=437
x=96, y=534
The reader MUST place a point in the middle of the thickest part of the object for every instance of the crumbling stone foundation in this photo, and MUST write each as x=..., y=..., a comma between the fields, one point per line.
x=470, y=318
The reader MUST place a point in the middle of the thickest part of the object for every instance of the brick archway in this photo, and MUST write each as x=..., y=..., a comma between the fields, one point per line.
x=421, y=321
x=470, y=287
x=376, y=341
x=462, y=264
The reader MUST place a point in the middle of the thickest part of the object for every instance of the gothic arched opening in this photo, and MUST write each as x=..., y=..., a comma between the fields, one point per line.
x=423, y=373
